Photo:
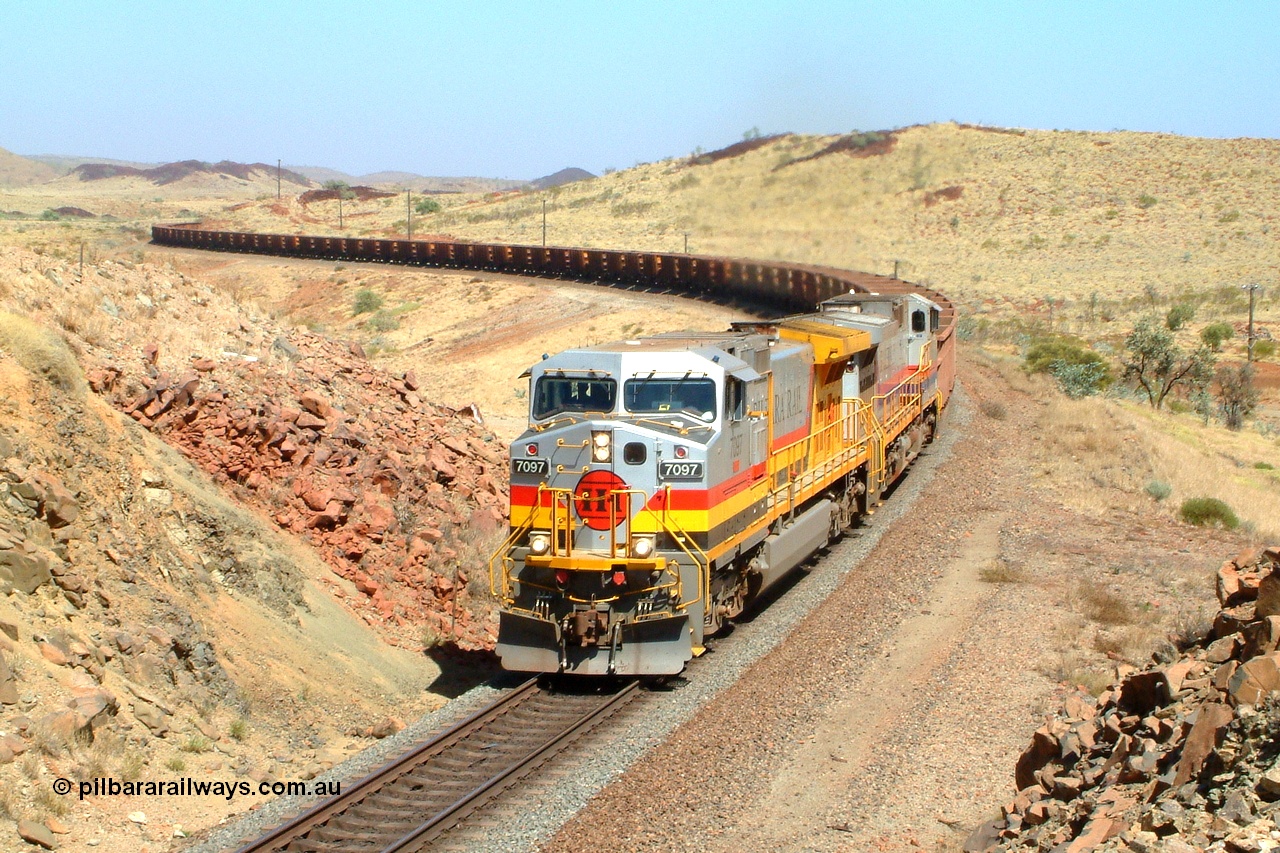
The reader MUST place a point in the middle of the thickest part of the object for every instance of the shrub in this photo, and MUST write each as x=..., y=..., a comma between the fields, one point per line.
x=998, y=571
x=992, y=409
x=1179, y=315
x=1263, y=350
x=426, y=205
x=1044, y=352
x=1104, y=606
x=1159, y=489
x=196, y=743
x=1208, y=512
x=366, y=301
x=1237, y=397
x=1079, y=380
x=239, y=729
x=1215, y=334
x=1145, y=201
x=383, y=322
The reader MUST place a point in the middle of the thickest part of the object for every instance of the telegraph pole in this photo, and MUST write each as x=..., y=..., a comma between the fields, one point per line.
x=277, y=180
x=544, y=223
x=686, y=242
x=1253, y=290
x=408, y=211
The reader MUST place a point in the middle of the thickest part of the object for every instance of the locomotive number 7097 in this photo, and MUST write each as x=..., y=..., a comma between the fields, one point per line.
x=668, y=470
x=536, y=467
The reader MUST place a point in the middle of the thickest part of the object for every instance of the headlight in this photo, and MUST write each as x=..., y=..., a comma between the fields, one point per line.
x=641, y=547
x=539, y=544
x=601, y=446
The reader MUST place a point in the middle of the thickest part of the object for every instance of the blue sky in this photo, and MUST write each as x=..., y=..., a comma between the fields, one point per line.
x=521, y=89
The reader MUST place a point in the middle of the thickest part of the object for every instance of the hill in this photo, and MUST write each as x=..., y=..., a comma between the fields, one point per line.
x=410, y=180
x=560, y=178
x=170, y=173
x=16, y=171
x=64, y=163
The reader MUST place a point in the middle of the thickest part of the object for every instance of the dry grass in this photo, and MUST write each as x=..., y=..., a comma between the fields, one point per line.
x=41, y=352
x=1103, y=606
x=1073, y=667
x=1000, y=571
x=1199, y=460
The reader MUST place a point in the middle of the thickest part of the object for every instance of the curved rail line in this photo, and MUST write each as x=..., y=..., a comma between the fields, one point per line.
x=407, y=804
x=782, y=286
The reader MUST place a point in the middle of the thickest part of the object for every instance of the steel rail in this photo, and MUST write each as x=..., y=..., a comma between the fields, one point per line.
x=320, y=813
x=448, y=817
x=329, y=816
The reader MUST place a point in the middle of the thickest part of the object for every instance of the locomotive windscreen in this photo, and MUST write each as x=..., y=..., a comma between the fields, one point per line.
x=556, y=394
x=695, y=397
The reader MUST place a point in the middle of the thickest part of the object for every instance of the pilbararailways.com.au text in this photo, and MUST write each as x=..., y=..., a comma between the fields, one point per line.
x=188, y=787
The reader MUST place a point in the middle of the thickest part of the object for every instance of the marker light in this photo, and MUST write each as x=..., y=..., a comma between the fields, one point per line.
x=641, y=547
x=681, y=452
x=531, y=449
x=562, y=576
x=619, y=578
x=539, y=544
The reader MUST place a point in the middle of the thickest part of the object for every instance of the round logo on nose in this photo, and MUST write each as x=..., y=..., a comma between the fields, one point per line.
x=595, y=505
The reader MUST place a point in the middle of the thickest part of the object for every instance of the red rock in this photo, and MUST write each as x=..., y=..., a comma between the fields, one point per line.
x=366, y=584
x=386, y=728
x=36, y=833
x=1205, y=736
x=54, y=655
x=306, y=420
x=204, y=365
x=1268, y=603
x=151, y=353
x=1255, y=679
x=381, y=518
x=317, y=499
x=315, y=404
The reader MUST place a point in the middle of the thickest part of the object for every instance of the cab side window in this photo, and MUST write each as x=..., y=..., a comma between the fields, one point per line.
x=735, y=398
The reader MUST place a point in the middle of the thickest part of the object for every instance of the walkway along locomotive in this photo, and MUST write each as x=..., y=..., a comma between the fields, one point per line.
x=666, y=481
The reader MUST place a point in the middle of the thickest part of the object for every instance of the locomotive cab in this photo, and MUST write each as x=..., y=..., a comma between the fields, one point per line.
x=604, y=570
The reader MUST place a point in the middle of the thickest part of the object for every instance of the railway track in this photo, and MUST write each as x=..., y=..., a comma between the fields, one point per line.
x=411, y=802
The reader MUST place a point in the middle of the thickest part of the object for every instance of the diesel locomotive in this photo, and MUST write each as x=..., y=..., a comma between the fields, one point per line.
x=666, y=481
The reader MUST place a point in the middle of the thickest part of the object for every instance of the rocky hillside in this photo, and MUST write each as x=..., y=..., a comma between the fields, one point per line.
x=256, y=601
x=1181, y=756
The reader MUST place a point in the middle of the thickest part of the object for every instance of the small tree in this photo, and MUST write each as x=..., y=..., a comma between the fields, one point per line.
x=1158, y=365
x=344, y=192
x=1236, y=395
x=1215, y=334
x=1179, y=315
x=427, y=205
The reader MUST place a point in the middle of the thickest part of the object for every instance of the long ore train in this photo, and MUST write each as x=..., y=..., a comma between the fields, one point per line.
x=666, y=481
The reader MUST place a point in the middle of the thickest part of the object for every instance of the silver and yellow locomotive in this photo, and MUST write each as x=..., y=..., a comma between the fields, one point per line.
x=665, y=481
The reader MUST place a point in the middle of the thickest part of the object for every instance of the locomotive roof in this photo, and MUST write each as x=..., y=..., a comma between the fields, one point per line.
x=674, y=342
